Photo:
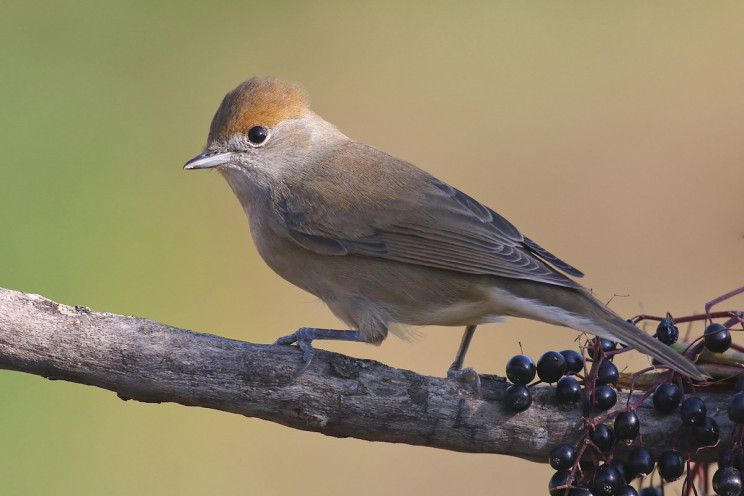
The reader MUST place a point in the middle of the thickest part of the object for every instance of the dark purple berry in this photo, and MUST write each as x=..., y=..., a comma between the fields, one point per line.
x=650, y=491
x=517, y=398
x=640, y=462
x=520, y=369
x=603, y=437
x=574, y=361
x=607, y=480
x=558, y=483
x=693, y=411
x=604, y=398
x=607, y=373
x=717, y=338
x=551, y=366
x=562, y=457
x=667, y=332
x=671, y=465
x=606, y=345
x=706, y=433
x=568, y=390
x=626, y=491
x=627, y=426
x=666, y=397
x=727, y=482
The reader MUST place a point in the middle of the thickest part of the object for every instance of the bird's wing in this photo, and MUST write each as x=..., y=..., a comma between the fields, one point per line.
x=395, y=211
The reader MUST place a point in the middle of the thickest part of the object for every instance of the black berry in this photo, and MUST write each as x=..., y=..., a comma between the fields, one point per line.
x=606, y=345
x=693, y=411
x=717, y=338
x=667, y=332
x=607, y=480
x=607, y=373
x=558, y=483
x=640, y=462
x=650, y=491
x=517, y=398
x=574, y=361
x=604, y=398
x=671, y=465
x=562, y=457
x=666, y=397
x=626, y=491
x=551, y=366
x=603, y=437
x=706, y=433
x=520, y=369
x=727, y=482
x=627, y=426
x=568, y=390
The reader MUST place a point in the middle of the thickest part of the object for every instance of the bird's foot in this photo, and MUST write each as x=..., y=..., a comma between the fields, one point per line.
x=304, y=337
x=467, y=376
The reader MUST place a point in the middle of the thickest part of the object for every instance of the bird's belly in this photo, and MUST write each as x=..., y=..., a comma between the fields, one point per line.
x=359, y=289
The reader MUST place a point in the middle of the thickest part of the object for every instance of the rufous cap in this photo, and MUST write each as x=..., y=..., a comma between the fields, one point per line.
x=257, y=102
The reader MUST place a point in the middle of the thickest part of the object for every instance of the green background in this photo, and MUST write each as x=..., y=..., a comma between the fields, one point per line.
x=610, y=132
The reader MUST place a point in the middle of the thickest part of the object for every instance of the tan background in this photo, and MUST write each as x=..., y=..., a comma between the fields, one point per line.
x=611, y=133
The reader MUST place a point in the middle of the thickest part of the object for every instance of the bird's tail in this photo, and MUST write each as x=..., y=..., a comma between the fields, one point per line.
x=578, y=309
x=628, y=334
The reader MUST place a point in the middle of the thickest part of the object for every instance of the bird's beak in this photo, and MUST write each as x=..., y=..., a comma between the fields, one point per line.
x=208, y=159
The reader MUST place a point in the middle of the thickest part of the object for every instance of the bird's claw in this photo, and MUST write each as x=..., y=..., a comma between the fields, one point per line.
x=467, y=376
x=304, y=341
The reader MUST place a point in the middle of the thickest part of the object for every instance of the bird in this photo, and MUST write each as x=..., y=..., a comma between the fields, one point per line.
x=382, y=242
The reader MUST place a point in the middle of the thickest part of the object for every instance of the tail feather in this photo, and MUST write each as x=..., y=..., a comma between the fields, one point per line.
x=628, y=334
x=578, y=309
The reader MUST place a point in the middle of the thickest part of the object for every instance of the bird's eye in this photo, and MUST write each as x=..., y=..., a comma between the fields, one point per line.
x=257, y=134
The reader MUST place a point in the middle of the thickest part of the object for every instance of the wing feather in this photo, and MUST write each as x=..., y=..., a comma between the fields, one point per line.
x=369, y=211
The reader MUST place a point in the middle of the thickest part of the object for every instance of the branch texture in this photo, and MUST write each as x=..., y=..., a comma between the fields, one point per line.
x=337, y=395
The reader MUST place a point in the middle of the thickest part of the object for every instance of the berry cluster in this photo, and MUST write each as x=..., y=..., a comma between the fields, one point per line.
x=592, y=465
x=606, y=474
x=551, y=367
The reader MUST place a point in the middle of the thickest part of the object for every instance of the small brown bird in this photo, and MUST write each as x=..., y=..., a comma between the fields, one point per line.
x=382, y=242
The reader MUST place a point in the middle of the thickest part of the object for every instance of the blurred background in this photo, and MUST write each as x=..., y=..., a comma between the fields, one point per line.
x=610, y=133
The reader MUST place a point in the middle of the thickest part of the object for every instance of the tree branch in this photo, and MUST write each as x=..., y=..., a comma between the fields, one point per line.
x=337, y=395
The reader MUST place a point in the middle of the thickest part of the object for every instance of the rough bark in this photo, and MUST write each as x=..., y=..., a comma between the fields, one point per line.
x=336, y=395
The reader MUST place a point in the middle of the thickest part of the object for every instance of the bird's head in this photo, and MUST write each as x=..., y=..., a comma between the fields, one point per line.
x=262, y=131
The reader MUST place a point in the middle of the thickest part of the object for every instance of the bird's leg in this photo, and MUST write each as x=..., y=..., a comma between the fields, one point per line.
x=467, y=337
x=468, y=375
x=304, y=337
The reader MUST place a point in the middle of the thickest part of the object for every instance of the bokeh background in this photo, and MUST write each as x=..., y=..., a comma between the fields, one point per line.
x=611, y=133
